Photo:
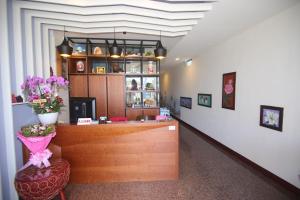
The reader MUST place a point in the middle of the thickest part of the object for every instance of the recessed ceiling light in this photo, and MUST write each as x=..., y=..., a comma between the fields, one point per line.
x=177, y=59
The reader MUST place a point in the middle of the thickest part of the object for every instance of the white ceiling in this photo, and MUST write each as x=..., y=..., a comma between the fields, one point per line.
x=227, y=18
x=167, y=18
x=184, y=29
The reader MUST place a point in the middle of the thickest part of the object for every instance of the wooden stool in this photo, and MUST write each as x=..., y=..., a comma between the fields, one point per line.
x=41, y=184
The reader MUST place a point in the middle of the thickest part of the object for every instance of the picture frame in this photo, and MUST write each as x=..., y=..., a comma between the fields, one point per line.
x=204, y=100
x=228, y=90
x=99, y=51
x=80, y=67
x=100, y=70
x=186, y=102
x=271, y=117
x=79, y=49
x=96, y=65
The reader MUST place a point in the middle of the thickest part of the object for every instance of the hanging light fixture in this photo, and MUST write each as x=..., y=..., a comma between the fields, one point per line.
x=64, y=49
x=114, y=50
x=160, y=52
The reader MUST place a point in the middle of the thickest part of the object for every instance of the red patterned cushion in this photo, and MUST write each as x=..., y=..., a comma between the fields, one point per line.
x=41, y=184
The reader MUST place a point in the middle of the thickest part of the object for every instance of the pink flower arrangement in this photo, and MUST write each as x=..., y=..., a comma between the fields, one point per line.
x=36, y=138
x=42, y=93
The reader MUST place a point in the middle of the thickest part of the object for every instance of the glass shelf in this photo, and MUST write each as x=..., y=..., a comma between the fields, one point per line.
x=150, y=83
x=150, y=99
x=133, y=67
x=149, y=67
x=133, y=83
x=116, y=66
x=133, y=51
x=134, y=99
x=148, y=52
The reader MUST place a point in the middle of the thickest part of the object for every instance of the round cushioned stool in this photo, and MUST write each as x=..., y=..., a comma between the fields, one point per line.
x=40, y=184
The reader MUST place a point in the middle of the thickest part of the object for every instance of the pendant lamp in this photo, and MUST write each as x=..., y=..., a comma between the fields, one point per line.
x=114, y=50
x=64, y=49
x=160, y=52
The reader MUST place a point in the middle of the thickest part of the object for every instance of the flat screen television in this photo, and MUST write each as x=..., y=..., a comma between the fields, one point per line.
x=82, y=107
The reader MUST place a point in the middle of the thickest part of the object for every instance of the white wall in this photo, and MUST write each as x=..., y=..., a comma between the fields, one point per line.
x=18, y=122
x=7, y=146
x=266, y=58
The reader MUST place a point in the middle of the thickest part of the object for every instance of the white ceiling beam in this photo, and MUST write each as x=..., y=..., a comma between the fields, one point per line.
x=38, y=48
x=29, y=65
x=153, y=5
x=18, y=48
x=45, y=51
x=110, y=25
x=52, y=50
x=108, y=10
x=123, y=29
x=112, y=18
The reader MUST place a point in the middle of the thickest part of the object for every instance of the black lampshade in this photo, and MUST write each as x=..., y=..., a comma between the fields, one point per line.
x=64, y=49
x=114, y=50
x=160, y=52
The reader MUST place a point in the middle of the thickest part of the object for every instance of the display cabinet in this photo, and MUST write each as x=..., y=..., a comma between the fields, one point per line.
x=92, y=73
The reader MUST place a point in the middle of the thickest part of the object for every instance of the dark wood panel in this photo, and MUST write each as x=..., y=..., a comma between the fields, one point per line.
x=127, y=151
x=115, y=95
x=97, y=88
x=151, y=111
x=132, y=113
x=78, y=86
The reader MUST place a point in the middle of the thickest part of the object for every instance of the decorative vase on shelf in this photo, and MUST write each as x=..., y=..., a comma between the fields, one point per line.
x=48, y=118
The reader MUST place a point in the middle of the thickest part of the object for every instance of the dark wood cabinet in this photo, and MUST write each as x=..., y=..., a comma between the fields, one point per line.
x=133, y=113
x=115, y=95
x=151, y=111
x=98, y=89
x=78, y=86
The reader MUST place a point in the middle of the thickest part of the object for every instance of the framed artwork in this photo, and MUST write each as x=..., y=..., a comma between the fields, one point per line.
x=80, y=66
x=186, y=102
x=79, y=49
x=99, y=67
x=271, y=117
x=98, y=51
x=228, y=90
x=117, y=67
x=204, y=100
x=100, y=70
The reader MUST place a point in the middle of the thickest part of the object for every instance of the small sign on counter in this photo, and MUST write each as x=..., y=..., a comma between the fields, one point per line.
x=172, y=128
x=84, y=121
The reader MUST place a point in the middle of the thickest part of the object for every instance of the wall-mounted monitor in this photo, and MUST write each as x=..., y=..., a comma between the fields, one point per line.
x=82, y=107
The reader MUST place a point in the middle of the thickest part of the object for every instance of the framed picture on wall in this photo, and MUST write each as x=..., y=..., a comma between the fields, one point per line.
x=186, y=102
x=271, y=117
x=204, y=100
x=228, y=90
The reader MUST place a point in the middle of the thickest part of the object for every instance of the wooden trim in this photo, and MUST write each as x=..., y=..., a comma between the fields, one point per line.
x=241, y=158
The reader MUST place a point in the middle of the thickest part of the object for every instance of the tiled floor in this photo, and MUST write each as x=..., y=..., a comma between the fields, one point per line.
x=206, y=173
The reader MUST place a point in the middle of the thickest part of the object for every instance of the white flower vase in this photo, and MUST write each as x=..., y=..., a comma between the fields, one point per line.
x=48, y=118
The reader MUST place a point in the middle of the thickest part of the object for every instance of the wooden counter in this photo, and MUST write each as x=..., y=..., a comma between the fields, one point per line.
x=128, y=151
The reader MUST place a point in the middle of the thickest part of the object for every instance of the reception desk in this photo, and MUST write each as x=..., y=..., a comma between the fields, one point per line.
x=117, y=152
